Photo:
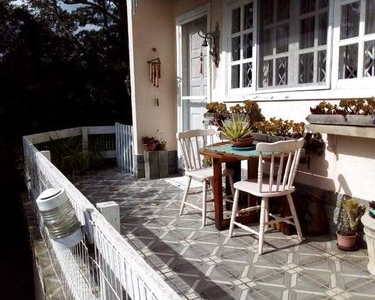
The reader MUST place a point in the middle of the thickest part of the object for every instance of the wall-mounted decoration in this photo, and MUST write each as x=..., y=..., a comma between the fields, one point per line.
x=212, y=39
x=155, y=71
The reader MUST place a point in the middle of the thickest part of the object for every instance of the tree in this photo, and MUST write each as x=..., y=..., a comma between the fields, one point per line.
x=61, y=68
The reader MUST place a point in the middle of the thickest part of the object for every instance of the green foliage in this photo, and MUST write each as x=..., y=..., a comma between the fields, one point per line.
x=55, y=73
x=350, y=215
x=280, y=127
x=68, y=157
x=365, y=106
x=238, y=127
x=216, y=107
x=248, y=107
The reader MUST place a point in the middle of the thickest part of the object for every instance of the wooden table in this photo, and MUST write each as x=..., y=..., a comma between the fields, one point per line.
x=223, y=153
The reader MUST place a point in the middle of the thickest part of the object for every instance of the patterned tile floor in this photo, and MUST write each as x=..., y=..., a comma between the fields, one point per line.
x=203, y=263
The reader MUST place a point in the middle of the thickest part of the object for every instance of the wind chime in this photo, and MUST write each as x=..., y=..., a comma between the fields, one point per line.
x=155, y=71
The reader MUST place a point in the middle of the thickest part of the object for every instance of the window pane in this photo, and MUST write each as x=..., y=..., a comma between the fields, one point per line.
x=236, y=20
x=282, y=10
x=307, y=6
x=369, y=59
x=348, y=60
x=323, y=3
x=306, y=68
x=370, y=16
x=349, y=20
x=266, y=12
x=248, y=45
x=266, y=73
x=306, y=38
x=322, y=59
x=282, y=38
x=323, y=29
x=235, y=77
x=247, y=74
x=282, y=71
x=236, y=44
x=266, y=42
x=248, y=17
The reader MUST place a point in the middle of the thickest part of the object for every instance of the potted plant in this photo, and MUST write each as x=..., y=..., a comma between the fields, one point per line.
x=368, y=221
x=354, y=112
x=238, y=130
x=150, y=143
x=162, y=145
x=217, y=112
x=350, y=215
x=274, y=129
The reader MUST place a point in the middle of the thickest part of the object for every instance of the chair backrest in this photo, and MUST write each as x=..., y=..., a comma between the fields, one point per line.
x=283, y=158
x=190, y=141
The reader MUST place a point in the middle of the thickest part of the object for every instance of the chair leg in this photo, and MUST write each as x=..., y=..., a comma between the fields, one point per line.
x=266, y=214
x=231, y=182
x=204, y=202
x=234, y=212
x=261, y=225
x=212, y=187
x=295, y=218
x=185, y=195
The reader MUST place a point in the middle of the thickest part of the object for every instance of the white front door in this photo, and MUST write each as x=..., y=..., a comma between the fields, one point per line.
x=193, y=74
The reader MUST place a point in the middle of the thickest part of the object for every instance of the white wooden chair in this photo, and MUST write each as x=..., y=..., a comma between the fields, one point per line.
x=196, y=167
x=278, y=183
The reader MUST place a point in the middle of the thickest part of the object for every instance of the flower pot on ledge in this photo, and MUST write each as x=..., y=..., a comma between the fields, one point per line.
x=348, y=120
x=269, y=138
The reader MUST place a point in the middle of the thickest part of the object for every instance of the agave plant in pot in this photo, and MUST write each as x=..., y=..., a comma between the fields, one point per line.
x=238, y=130
x=350, y=216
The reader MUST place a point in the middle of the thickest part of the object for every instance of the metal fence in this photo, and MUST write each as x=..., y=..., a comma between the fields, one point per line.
x=124, y=147
x=103, y=265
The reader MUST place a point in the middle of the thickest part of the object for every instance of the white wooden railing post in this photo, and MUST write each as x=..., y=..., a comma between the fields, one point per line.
x=111, y=212
x=47, y=154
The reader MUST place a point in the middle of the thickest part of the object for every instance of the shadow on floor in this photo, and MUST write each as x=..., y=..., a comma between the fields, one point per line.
x=16, y=272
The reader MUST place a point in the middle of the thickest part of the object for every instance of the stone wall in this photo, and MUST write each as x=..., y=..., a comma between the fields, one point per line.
x=139, y=164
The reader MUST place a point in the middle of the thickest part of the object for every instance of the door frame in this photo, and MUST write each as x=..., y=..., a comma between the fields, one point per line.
x=192, y=15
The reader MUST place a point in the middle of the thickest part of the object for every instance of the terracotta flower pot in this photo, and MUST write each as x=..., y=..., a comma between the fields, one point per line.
x=346, y=242
x=246, y=142
x=150, y=147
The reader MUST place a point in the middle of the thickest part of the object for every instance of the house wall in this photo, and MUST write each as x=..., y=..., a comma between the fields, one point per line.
x=153, y=27
x=347, y=169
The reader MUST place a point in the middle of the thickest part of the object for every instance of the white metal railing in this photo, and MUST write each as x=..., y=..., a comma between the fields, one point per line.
x=103, y=265
x=124, y=147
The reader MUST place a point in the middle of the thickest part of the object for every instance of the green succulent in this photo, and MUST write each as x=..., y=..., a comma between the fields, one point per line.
x=238, y=127
x=351, y=213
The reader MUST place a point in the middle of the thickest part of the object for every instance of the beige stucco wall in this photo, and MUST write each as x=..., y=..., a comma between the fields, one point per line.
x=153, y=27
x=349, y=170
x=346, y=167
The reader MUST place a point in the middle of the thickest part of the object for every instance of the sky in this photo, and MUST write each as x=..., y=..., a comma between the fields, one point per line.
x=64, y=6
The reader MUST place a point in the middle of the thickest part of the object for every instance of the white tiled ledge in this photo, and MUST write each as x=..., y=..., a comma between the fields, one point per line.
x=355, y=131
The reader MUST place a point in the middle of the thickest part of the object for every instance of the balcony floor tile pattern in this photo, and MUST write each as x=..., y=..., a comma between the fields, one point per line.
x=204, y=263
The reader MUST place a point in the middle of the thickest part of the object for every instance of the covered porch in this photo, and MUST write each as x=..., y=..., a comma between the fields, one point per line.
x=204, y=263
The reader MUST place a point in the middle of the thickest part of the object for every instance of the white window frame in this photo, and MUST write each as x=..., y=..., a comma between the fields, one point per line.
x=350, y=83
x=228, y=46
x=255, y=90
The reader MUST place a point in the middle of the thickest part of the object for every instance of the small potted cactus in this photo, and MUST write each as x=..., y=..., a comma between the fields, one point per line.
x=238, y=130
x=350, y=215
